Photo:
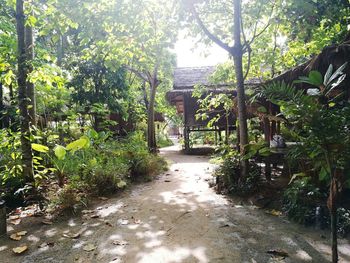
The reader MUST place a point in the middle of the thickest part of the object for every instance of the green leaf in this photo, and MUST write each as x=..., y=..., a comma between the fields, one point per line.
x=316, y=78
x=78, y=144
x=262, y=109
x=121, y=184
x=295, y=176
x=60, y=152
x=323, y=174
x=40, y=148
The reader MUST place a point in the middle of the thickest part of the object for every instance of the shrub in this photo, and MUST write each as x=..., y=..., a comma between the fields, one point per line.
x=300, y=201
x=228, y=177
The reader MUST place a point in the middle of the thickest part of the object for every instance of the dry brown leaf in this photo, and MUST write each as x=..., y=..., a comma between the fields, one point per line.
x=15, y=237
x=46, y=244
x=71, y=235
x=22, y=233
x=47, y=222
x=20, y=250
x=15, y=221
x=94, y=216
x=103, y=198
x=88, y=211
x=89, y=247
x=278, y=252
x=274, y=212
x=120, y=243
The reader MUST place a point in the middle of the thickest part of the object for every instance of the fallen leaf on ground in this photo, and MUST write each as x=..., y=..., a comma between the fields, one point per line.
x=47, y=222
x=120, y=243
x=124, y=222
x=167, y=181
x=71, y=235
x=274, y=212
x=103, y=198
x=108, y=223
x=94, y=216
x=89, y=247
x=176, y=170
x=15, y=221
x=277, y=252
x=20, y=250
x=22, y=233
x=46, y=244
x=88, y=211
x=15, y=237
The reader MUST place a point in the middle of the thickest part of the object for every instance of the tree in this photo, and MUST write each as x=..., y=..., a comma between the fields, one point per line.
x=236, y=51
x=29, y=46
x=153, y=60
x=27, y=156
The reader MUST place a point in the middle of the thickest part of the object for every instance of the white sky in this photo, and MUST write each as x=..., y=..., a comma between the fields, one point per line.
x=191, y=55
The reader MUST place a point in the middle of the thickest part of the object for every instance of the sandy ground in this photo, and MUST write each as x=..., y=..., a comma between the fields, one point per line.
x=176, y=218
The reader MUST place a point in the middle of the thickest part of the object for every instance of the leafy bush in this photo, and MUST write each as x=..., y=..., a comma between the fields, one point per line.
x=300, y=201
x=228, y=177
x=164, y=141
x=304, y=203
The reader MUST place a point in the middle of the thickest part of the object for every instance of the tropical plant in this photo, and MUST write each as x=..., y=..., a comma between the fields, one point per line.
x=321, y=124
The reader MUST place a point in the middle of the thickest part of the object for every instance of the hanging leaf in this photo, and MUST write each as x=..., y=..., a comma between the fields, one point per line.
x=40, y=148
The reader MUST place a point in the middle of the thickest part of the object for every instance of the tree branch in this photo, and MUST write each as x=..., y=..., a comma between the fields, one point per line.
x=214, y=38
x=136, y=72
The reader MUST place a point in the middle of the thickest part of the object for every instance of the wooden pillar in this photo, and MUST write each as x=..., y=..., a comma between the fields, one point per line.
x=273, y=129
x=266, y=124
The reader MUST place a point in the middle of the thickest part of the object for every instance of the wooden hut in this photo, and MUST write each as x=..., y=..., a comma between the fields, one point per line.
x=185, y=80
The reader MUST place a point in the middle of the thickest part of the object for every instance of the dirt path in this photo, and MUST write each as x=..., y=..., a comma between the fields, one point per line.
x=176, y=218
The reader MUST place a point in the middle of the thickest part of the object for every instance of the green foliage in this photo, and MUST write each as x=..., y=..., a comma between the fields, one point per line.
x=301, y=199
x=228, y=177
x=163, y=141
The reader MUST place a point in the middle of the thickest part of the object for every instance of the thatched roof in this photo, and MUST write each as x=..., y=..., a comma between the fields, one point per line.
x=336, y=54
x=188, y=77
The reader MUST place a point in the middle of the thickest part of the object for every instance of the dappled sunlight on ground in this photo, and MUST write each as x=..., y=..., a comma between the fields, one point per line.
x=177, y=218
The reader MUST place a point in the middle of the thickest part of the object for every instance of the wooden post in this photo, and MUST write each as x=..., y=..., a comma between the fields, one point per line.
x=3, y=226
x=266, y=124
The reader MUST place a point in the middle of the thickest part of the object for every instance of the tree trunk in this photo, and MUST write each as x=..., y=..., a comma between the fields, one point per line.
x=27, y=157
x=2, y=115
x=152, y=145
x=237, y=58
x=29, y=43
x=332, y=206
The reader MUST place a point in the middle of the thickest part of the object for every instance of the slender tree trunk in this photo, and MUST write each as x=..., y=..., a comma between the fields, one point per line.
x=152, y=146
x=27, y=157
x=2, y=115
x=332, y=206
x=237, y=58
x=29, y=43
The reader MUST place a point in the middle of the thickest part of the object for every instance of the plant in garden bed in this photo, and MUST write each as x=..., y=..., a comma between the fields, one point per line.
x=228, y=177
x=320, y=121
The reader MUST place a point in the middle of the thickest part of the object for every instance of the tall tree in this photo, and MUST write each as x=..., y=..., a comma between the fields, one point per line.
x=236, y=51
x=27, y=156
x=29, y=46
